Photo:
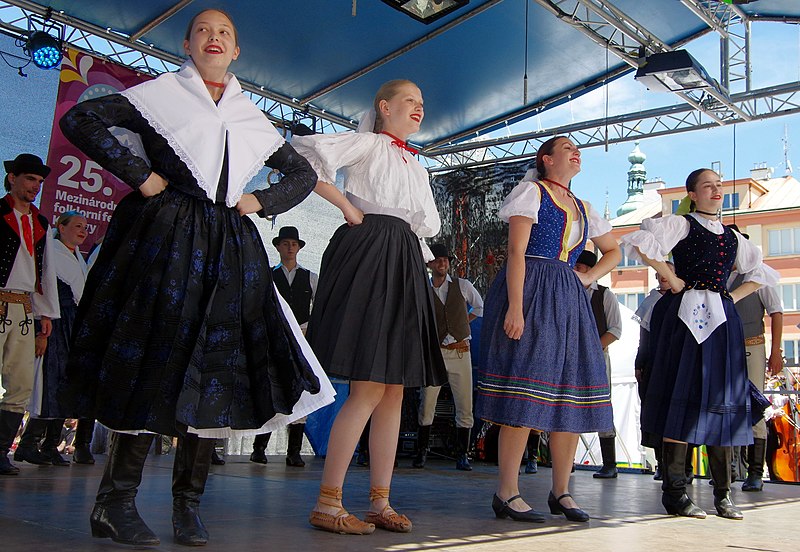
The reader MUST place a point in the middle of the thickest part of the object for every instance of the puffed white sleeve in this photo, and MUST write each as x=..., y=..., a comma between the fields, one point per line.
x=749, y=262
x=523, y=201
x=655, y=238
x=597, y=224
x=327, y=153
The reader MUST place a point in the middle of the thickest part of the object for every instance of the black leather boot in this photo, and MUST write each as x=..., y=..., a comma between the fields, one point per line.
x=9, y=425
x=608, y=449
x=719, y=464
x=28, y=446
x=657, y=472
x=462, y=436
x=115, y=515
x=690, y=463
x=756, y=455
x=293, y=458
x=189, y=475
x=51, y=441
x=673, y=485
x=423, y=443
x=259, y=455
x=83, y=441
x=532, y=450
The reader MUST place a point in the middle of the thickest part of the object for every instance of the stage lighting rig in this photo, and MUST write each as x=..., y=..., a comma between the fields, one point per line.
x=44, y=45
x=426, y=11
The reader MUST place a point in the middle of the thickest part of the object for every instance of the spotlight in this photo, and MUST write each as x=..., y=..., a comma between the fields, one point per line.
x=426, y=11
x=44, y=50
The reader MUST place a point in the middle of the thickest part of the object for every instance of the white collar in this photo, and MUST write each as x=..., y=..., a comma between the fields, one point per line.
x=179, y=107
x=712, y=225
x=70, y=268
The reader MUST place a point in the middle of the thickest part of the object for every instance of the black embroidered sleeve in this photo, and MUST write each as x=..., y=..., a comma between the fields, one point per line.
x=298, y=181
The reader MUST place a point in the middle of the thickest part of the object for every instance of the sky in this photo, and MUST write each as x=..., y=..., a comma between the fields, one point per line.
x=28, y=104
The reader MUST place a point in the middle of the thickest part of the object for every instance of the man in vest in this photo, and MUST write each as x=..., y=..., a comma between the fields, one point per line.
x=297, y=286
x=605, y=308
x=751, y=310
x=28, y=290
x=457, y=303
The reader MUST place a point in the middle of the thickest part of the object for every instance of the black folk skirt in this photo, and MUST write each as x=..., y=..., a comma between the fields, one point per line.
x=373, y=317
x=180, y=324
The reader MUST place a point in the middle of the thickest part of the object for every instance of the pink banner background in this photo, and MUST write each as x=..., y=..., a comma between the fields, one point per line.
x=77, y=183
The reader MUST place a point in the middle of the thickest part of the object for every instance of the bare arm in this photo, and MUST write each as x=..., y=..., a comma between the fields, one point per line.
x=744, y=290
x=331, y=193
x=519, y=233
x=611, y=256
x=775, y=362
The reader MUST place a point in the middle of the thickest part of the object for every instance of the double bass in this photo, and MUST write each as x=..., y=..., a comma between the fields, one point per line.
x=783, y=448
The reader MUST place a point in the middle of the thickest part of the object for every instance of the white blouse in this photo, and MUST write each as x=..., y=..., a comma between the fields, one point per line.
x=526, y=198
x=701, y=310
x=382, y=177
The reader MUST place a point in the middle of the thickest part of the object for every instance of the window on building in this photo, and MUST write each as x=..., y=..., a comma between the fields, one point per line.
x=790, y=295
x=630, y=300
x=675, y=204
x=730, y=201
x=627, y=261
x=791, y=352
x=785, y=241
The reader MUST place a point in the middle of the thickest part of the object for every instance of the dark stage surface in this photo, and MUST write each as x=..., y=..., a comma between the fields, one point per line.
x=253, y=507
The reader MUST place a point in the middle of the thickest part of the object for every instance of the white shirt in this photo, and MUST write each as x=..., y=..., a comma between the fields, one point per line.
x=700, y=310
x=23, y=273
x=470, y=294
x=376, y=172
x=290, y=274
x=610, y=308
x=645, y=310
x=525, y=200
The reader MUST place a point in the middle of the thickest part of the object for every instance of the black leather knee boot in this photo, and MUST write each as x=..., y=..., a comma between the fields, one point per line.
x=673, y=485
x=462, y=435
x=293, y=458
x=189, y=475
x=259, y=454
x=83, y=440
x=115, y=515
x=756, y=456
x=423, y=444
x=719, y=463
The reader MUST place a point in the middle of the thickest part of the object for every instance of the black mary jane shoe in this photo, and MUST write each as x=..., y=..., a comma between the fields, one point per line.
x=572, y=514
x=502, y=510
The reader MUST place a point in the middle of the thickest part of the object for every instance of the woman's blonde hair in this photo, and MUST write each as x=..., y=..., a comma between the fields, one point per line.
x=387, y=91
x=65, y=217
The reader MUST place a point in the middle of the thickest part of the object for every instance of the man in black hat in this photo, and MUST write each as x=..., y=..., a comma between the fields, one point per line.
x=457, y=303
x=751, y=310
x=27, y=291
x=605, y=308
x=297, y=286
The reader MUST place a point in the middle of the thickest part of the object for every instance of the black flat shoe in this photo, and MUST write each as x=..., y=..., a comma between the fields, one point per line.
x=502, y=510
x=572, y=514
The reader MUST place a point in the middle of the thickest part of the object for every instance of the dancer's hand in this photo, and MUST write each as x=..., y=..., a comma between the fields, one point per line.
x=40, y=345
x=676, y=284
x=248, y=204
x=353, y=215
x=514, y=323
x=585, y=279
x=154, y=185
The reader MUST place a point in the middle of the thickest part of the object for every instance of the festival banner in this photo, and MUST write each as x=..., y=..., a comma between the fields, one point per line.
x=77, y=183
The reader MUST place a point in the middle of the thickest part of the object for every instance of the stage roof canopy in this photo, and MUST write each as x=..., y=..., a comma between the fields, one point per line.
x=332, y=55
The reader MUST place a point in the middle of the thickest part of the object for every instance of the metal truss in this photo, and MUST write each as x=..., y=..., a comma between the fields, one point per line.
x=766, y=103
x=611, y=28
x=733, y=26
x=145, y=58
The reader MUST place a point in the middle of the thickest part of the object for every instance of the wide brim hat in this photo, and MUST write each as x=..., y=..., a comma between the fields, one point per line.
x=27, y=163
x=588, y=258
x=440, y=250
x=288, y=233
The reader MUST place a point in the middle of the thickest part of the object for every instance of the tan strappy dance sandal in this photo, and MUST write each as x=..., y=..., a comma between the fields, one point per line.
x=341, y=522
x=387, y=518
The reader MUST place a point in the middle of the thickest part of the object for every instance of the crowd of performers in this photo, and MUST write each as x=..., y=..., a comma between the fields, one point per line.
x=179, y=328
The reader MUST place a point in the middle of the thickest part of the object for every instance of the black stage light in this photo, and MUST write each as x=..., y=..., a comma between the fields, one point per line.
x=44, y=50
x=426, y=11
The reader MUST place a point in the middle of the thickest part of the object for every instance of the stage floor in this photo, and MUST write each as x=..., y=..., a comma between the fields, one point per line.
x=248, y=506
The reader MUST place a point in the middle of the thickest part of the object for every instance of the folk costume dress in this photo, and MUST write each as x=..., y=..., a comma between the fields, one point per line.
x=180, y=323
x=70, y=278
x=554, y=377
x=698, y=388
x=373, y=317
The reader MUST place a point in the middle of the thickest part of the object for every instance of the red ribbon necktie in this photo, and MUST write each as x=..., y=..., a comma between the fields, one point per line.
x=400, y=144
x=27, y=234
